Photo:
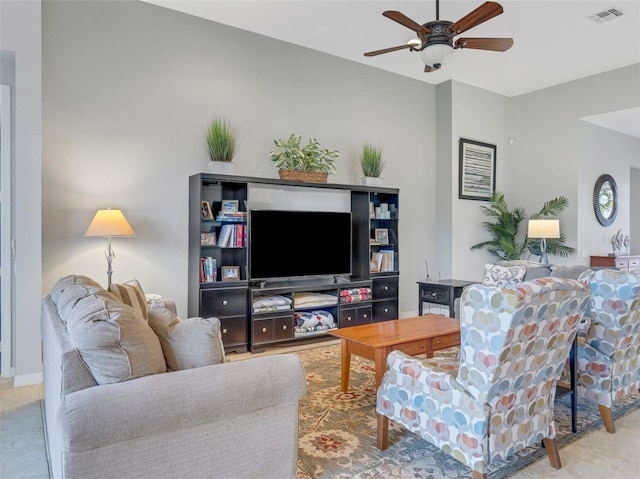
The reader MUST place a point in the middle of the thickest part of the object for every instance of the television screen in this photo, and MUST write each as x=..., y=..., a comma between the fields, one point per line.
x=287, y=244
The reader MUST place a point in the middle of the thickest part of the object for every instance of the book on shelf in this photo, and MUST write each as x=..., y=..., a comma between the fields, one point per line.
x=239, y=235
x=225, y=235
x=208, y=269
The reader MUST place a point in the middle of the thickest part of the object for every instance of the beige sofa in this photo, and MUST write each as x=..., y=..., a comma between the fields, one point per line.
x=231, y=420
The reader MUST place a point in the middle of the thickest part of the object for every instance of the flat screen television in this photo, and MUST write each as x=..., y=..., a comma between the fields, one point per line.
x=291, y=244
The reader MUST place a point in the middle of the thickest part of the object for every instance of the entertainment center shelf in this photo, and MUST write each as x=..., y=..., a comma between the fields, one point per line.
x=263, y=296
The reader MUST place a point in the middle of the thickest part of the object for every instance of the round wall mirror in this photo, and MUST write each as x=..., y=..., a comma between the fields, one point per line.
x=605, y=200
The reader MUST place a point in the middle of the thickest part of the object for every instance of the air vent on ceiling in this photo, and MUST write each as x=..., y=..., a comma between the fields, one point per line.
x=610, y=13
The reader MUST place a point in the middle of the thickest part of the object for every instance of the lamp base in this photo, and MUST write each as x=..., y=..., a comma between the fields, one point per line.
x=543, y=251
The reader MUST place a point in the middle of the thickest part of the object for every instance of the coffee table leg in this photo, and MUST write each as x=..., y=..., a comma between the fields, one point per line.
x=345, y=364
x=383, y=432
x=380, y=363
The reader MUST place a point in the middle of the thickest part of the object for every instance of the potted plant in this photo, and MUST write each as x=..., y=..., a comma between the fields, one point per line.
x=222, y=139
x=371, y=164
x=507, y=241
x=303, y=163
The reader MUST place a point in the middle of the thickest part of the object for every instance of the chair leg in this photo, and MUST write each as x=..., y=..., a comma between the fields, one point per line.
x=478, y=475
x=552, y=452
x=383, y=432
x=607, y=418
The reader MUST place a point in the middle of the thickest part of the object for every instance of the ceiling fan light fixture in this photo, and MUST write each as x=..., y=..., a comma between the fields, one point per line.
x=436, y=54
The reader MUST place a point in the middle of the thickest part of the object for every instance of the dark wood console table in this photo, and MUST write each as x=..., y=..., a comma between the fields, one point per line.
x=444, y=291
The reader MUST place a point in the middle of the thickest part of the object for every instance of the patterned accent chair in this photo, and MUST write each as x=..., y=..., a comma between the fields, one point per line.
x=499, y=396
x=609, y=344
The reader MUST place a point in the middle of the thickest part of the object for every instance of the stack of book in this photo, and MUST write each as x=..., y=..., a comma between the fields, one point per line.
x=208, y=272
x=233, y=236
x=232, y=216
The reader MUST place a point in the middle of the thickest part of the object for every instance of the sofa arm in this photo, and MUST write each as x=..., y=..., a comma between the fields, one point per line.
x=151, y=405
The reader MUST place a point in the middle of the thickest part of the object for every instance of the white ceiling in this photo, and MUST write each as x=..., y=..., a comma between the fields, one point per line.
x=554, y=42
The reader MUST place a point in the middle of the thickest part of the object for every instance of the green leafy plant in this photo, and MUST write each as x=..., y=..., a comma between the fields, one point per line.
x=222, y=139
x=371, y=160
x=310, y=157
x=507, y=242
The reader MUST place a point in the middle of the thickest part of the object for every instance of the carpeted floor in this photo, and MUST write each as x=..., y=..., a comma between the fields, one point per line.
x=338, y=430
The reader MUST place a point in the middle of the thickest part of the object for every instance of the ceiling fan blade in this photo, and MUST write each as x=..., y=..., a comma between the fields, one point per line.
x=387, y=50
x=493, y=44
x=429, y=68
x=405, y=21
x=484, y=12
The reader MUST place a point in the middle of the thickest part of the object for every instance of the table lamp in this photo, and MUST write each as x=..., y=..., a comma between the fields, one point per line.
x=109, y=223
x=543, y=229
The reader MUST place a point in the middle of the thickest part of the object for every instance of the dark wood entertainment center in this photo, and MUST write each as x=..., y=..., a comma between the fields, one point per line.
x=231, y=298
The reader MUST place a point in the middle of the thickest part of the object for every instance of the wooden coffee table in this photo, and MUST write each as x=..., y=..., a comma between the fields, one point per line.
x=414, y=336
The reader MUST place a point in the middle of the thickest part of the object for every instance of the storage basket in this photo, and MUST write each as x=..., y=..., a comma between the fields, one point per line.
x=306, y=176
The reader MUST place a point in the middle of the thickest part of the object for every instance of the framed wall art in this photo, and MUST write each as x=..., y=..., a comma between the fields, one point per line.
x=477, y=170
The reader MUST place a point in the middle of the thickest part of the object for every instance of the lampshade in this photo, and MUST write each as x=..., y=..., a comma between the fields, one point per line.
x=109, y=223
x=544, y=228
x=436, y=54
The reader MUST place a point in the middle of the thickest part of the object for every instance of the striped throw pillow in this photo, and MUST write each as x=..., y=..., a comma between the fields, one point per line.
x=131, y=293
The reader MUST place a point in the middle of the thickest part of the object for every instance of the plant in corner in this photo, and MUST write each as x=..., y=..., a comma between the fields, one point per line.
x=507, y=242
x=371, y=164
x=292, y=160
x=222, y=140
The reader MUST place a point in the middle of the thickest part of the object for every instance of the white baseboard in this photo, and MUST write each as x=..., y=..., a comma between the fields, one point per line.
x=27, y=380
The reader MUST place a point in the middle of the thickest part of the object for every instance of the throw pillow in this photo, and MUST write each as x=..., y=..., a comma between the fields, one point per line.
x=533, y=270
x=112, y=340
x=497, y=275
x=131, y=293
x=71, y=280
x=189, y=343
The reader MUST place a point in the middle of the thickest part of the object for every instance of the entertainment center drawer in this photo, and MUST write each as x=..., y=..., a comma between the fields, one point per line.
x=444, y=342
x=223, y=302
x=233, y=330
x=385, y=310
x=272, y=329
x=355, y=316
x=385, y=287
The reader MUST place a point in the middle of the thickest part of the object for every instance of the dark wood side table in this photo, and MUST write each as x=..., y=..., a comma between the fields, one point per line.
x=444, y=291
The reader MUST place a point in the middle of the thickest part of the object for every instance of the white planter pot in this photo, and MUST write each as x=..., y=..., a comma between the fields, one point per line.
x=371, y=181
x=221, y=167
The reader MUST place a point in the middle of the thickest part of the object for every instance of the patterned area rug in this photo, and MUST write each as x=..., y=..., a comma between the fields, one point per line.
x=338, y=430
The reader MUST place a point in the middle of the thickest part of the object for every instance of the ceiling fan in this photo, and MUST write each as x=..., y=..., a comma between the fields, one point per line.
x=435, y=39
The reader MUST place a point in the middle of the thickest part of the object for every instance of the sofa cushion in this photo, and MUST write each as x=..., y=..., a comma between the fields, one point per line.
x=131, y=293
x=498, y=275
x=189, y=343
x=570, y=272
x=113, y=341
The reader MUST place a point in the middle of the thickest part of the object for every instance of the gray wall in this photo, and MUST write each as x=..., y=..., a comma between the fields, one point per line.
x=603, y=151
x=20, y=33
x=555, y=153
x=128, y=89
x=124, y=122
